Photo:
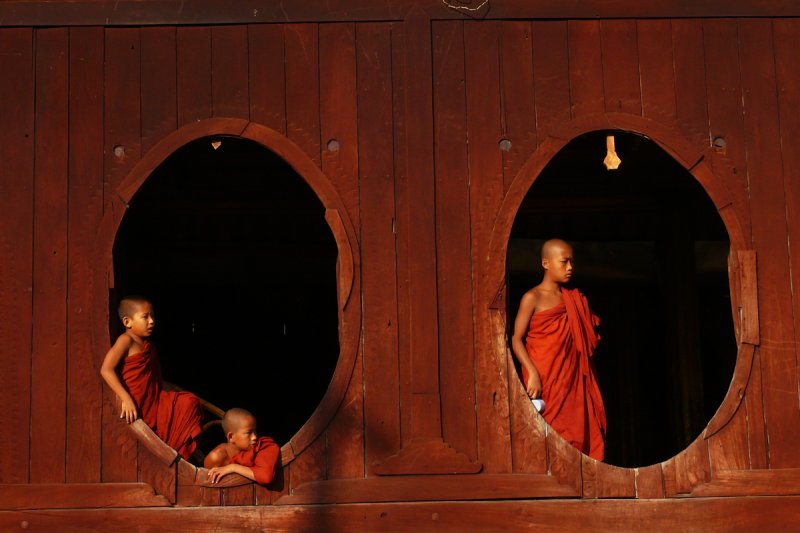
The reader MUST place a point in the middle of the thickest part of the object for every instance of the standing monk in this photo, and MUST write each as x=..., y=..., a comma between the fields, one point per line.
x=554, y=340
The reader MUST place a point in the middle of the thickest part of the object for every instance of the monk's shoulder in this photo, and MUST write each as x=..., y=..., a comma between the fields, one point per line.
x=217, y=457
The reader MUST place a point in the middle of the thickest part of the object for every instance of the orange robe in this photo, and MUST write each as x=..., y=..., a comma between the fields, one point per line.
x=176, y=417
x=262, y=459
x=561, y=342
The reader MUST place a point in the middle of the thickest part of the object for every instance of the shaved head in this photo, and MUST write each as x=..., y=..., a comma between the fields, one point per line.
x=233, y=419
x=553, y=245
x=130, y=304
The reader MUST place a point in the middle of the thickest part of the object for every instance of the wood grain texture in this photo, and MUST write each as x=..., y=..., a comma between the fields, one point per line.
x=16, y=248
x=620, y=54
x=339, y=122
x=751, y=483
x=486, y=194
x=656, y=72
x=243, y=495
x=649, y=482
x=302, y=87
x=585, y=67
x=85, y=207
x=229, y=72
x=49, y=352
x=517, y=96
x=768, y=207
x=453, y=247
x=311, y=465
x=79, y=495
x=158, y=84
x=194, y=100
x=377, y=215
x=266, y=76
x=690, y=83
x=550, y=75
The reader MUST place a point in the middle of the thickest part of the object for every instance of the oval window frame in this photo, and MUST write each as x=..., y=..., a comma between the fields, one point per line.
x=723, y=192
x=342, y=229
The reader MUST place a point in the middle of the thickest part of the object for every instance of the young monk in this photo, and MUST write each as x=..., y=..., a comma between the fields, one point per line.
x=245, y=452
x=132, y=370
x=554, y=340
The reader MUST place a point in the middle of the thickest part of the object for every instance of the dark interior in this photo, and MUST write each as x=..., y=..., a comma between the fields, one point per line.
x=651, y=256
x=232, y=247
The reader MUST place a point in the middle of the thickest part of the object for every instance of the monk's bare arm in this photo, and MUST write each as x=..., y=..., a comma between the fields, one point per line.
x=217, y=473
x=109, y=372
x=527, y=306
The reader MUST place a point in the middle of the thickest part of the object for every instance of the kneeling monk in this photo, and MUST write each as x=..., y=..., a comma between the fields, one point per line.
x=554, y=340
x=176, y=417
x=245, y=452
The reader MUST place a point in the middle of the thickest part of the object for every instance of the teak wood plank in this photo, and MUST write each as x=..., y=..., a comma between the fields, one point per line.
x=656, y=72
x=194, y=74
x=429, y=488
x=728, y=449
x=85, y=199
x=454, y=287
x=131, y=12
x=243, y=495
x=756, y=430
x=16, y=248
x=339, y=127
x=528, y=432
x=378, y=259
x=620, y=55
x=649, y=482
x=486, y=194
x=787, y=65
x=78, y=495
x=752, y=483
x=267, y=77
x=770, y=235
x=779, y=513
x=302, y=87
x=122, y=149
x=585, y=67
x=517, y=96
x=49, y=353
x=158, y=84
x=163, y=478
x=690, y=82
x=422, y=327
x=310, y=465
x=230, y=92
x=725, y=112
x=551, y=75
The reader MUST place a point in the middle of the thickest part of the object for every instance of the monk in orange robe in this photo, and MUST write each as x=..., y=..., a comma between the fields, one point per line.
x=245, y=452
x=554, y=341
x=176, y=417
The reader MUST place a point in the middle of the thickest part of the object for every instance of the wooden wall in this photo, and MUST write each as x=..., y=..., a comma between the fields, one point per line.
x=418, y=108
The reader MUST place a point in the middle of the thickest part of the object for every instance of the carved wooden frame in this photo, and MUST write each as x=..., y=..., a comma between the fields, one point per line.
x=348, y=261
x=724, y=190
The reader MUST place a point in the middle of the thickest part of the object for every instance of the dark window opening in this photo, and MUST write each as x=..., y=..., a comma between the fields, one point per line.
x=651, y=256
x=232, y=246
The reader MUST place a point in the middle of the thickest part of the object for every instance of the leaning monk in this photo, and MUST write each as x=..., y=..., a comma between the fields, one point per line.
x=245, y=452
x=132, y=370
x=554, y=340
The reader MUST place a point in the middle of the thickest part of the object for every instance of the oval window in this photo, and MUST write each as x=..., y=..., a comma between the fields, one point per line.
x=651, y=256
x=232, y=246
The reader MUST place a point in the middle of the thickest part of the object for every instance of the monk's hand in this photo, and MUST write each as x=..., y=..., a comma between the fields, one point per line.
x=128, y=410
x=534, y=385
x=216, y=473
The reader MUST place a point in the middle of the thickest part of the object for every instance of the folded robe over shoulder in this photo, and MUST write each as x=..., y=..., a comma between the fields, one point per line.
x=262, y=459
x=561, y=342
x=176, y=417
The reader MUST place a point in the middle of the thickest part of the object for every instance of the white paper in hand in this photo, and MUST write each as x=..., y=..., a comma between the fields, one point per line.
x=538, y=404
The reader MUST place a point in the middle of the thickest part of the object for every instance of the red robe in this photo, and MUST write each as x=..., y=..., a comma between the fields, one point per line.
x=561, y=342
x=176, y=417
x=262, y=459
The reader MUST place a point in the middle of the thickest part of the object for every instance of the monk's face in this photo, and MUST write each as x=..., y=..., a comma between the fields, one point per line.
x=559, y=263
x=142, y=321
x=245, y=435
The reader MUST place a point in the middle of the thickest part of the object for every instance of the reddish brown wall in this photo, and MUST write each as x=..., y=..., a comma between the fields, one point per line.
x=429, y=210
